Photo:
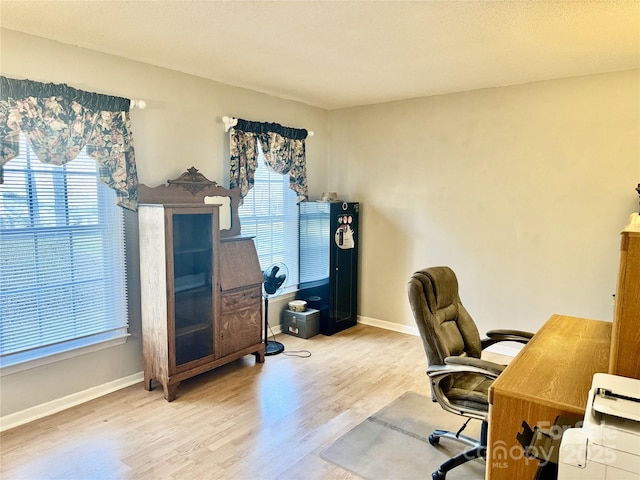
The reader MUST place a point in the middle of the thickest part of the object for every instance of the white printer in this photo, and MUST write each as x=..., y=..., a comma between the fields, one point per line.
x=607, y=447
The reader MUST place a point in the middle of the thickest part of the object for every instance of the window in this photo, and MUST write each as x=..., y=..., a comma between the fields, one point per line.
x=62, y=257
x=270, y=214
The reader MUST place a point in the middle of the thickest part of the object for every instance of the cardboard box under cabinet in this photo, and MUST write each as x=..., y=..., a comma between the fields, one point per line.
x=301, y=324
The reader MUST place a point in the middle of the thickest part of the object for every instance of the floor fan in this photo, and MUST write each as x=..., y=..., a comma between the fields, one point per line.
x=274, y=280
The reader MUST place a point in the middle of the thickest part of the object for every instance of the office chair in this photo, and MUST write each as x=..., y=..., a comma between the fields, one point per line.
x=459, y=379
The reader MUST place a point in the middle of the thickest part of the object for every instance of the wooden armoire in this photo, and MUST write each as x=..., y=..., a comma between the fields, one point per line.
x=201, y=282
x=624, y=359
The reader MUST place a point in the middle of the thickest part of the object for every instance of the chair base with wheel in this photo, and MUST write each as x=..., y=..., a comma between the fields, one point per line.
x=478, y=449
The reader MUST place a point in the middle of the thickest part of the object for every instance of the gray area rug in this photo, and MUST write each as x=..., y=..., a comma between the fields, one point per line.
x=392, y=444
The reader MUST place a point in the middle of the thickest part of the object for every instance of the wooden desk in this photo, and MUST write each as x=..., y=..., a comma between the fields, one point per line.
x=550, y=376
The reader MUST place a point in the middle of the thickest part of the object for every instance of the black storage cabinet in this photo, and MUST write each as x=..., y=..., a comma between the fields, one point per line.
x=329, y=237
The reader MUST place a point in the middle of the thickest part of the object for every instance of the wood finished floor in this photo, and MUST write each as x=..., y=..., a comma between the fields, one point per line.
x=240, y=421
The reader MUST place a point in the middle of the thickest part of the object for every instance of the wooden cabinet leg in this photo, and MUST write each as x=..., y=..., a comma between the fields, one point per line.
x=147, y=381
x=170, y=390
x=259, y=356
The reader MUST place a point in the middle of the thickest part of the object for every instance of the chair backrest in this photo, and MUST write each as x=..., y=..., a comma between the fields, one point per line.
x=445, y=326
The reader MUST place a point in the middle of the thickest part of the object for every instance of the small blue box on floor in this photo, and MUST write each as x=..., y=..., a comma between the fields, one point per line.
x=301, y=324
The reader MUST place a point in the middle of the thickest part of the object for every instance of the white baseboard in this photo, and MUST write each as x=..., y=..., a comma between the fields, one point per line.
x=49, y=408
x=55, y=406
x=276, y=329
x=396, y=327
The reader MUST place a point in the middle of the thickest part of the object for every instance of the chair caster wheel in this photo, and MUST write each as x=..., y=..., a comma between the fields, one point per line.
x=438, y=475
x=433, y=440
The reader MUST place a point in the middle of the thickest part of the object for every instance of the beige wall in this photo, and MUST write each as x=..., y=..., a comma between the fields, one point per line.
x=522, y=190
x=180, y=127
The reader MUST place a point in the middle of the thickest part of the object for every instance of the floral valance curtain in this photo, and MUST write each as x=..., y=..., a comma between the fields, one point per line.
x=284, y=152
x=59, y=121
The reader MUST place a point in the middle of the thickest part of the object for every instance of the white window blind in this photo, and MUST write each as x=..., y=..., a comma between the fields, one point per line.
x=270, y=214
x=62, y=259
x=314, y=241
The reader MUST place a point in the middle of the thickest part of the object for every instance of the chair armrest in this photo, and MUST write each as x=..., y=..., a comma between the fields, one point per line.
x=457, y=365
x=496, y=336
x=466, y=365
x=492, y=367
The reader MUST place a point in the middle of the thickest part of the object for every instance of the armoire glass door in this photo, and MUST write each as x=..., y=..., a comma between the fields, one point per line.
x=193, y=294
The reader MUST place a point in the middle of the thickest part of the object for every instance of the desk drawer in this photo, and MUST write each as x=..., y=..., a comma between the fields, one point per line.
x=248, y=297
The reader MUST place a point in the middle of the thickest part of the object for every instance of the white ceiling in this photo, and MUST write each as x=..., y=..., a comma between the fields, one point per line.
x=334, y=54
